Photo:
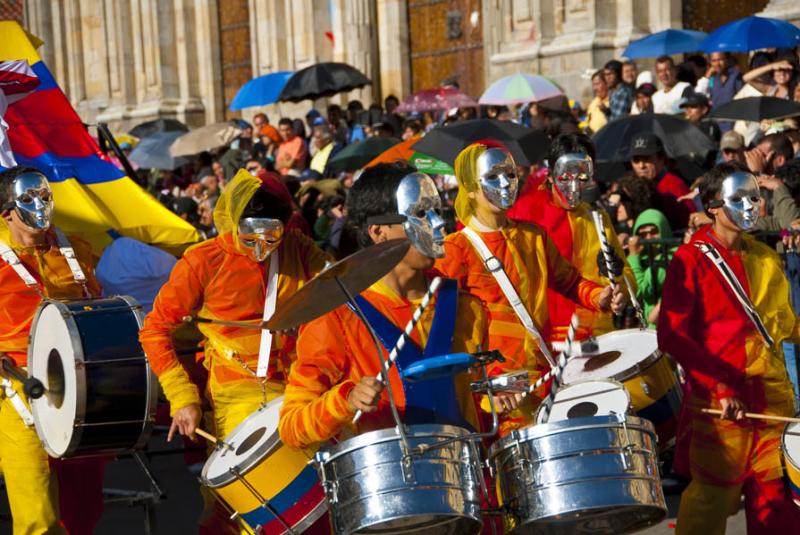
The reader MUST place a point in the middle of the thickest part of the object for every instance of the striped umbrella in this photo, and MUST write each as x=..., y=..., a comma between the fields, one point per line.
x=519, y=89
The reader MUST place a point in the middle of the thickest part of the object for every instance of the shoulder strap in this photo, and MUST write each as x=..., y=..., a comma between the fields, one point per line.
x=495, y=267
x=69, y=254
x=11, y=258
x=270, y=302
x=736, y=287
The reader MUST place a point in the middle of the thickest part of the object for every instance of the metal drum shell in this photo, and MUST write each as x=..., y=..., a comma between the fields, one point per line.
x=570, y=477
x=367, y=492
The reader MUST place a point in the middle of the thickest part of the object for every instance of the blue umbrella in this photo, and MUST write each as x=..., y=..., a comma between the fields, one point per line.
x=752, y=33
x=663, y=43
x=261, y=91
x=152, y=152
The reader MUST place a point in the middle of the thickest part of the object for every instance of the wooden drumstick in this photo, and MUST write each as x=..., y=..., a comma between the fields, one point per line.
x=757, y=416
x=225, y=323
x=214, y=440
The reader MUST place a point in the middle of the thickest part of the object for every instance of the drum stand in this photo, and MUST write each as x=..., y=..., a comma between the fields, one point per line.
x=147, y=499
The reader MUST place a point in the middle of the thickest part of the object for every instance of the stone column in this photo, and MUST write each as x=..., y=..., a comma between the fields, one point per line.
x=783, y=9
x=393, y=49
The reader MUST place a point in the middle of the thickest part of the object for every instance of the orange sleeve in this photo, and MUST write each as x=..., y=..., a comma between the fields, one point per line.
x=315, y=406
x=452, y=265
x=566, y=280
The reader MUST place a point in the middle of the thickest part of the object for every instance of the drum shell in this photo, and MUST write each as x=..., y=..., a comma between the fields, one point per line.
x=656, y=395
x=565, y=476
x=792, y=464
x=367, y=491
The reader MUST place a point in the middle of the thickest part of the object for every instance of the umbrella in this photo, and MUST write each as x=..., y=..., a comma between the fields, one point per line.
x=752, y=33
x=441, y=98
x=357, y=155
x=680, y=137
x=665, y=43
x=445, y=142
x=260, y=91
x=519, y=89
x=756, y=109
x=322, y=80
x=429, y=164
x=207, y=137
x=403, y=152
x=159, y=125
x=152, y=152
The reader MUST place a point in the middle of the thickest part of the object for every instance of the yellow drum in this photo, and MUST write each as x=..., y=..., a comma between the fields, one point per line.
x=268, y=485
x=790, y=444
x=632, y=357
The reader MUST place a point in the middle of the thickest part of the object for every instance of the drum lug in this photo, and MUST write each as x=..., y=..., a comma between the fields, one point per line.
x=645, y=387
x=407, y=465
x=331, y=489
x=627, y=449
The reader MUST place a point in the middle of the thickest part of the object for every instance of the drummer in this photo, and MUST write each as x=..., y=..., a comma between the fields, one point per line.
x=34, y=267
x=243, y=274
x=488, y=185
x=555, y=205
x=334, y=375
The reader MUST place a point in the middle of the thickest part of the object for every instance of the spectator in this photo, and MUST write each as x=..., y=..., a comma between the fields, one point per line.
x=784, y=189
x=620, y=94
x=326, y=148
x=290, y=157
x=390, y=104
x=629, y=73
x=253, y=166
x=411, y=128
x=732, y=147
x=696, y=108
x=649, y=264
x=701, y=70
x=783, y=80
x=311, y=116
x=597, y=112
x=644, y=99
x=649, y=161
x=260, y=120
x=771, y=153
x=341, y=133
x=724, y=82
x=186, y=209
x=666, y=99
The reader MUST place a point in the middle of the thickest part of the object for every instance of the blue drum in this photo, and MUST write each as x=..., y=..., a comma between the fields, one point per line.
x=101, y=394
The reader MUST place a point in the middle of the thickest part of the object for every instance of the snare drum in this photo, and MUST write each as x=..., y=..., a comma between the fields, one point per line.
x=790, y=445
x=266, y=484
x=632, y=357
x=584, y=475
x=372, y=488
x=101, y=395
x=587, y=398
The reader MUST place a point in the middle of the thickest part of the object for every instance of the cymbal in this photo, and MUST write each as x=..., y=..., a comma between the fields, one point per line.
x=322, y=294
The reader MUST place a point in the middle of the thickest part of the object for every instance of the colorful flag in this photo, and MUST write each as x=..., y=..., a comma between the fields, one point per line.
x=93, y=199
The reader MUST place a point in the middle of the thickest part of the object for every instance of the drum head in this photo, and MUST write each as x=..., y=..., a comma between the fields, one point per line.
x=252, y=440
x=791, y=444
x=54, y=349
x=588, y=398
x=621, y=354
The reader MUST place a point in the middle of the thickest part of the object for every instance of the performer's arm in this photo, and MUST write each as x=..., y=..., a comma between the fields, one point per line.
x=180, y=296
x=315, y=404
x=565, y=279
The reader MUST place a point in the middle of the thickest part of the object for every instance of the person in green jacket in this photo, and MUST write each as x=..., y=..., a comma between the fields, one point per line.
x=650, y=274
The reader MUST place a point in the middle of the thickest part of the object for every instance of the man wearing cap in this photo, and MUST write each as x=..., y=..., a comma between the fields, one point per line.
x=620, y=94
x=696, y=108
x=648, y=160
x=732, y=147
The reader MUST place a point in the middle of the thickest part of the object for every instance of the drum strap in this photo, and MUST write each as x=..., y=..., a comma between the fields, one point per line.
x=270, y=302
x=729, y=276
x=17, y=401
x=495, y=267
x=11, y=258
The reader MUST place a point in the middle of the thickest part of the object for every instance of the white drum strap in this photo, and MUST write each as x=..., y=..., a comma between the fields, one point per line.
x=17, y=402
x=69, y=254
x=495, y=267
x=11, y=258
x=270, y=302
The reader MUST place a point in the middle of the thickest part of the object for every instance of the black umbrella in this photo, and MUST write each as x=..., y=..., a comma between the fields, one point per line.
x=679, y=136
x=153, y=151
x=322, y=80
x=357, y=155
x=526, y=144
x=756, y=109
x=159, y=125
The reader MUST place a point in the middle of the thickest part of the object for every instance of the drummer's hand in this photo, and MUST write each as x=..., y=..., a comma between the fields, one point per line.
x=612, y=300
x=364, y=397
x=185, y=421
x=732, y=408
x=508, y=401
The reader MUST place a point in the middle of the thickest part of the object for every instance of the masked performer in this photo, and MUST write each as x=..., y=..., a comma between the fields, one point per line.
x=334, y=375
x=35, y=265
x=724, y=313
x=509, y=266
x=556, y=206
x=244, y=274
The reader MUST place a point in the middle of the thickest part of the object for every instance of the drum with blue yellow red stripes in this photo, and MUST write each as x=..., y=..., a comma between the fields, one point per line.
x=790, y=445
x=267, y=484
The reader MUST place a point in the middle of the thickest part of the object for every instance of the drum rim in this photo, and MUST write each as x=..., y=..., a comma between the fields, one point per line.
x=388, y=434
x=532, y=432
x=632, y=371
x=616, y=383
x=795, y=464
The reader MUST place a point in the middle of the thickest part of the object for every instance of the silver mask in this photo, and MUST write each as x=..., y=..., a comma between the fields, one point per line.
x=419, y=201
x=740, y=199
x=259, y=236
x=572, y=173
x=33, y=200
x=498, y=177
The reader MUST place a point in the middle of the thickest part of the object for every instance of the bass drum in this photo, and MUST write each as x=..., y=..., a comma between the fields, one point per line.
x=101, y=394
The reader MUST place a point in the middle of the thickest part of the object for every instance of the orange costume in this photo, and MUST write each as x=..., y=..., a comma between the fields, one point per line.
x=335, y=351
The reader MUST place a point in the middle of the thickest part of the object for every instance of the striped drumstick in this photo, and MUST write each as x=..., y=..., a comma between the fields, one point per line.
x=559, y=369
x=401, y=342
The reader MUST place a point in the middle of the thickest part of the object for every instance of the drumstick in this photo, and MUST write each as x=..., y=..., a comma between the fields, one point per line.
x=757, y=416
x=401, y=342
x=225, y=323
x=214, y=440
x=547, y=406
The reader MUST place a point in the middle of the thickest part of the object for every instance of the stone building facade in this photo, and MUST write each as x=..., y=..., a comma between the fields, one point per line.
x=127, y=61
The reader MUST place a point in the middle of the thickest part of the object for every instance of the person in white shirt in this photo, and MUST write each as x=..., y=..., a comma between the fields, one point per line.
x=668, y=98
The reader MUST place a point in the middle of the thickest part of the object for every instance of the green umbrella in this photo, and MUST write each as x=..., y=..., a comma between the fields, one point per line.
x=359, y=154
x=430, y=165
